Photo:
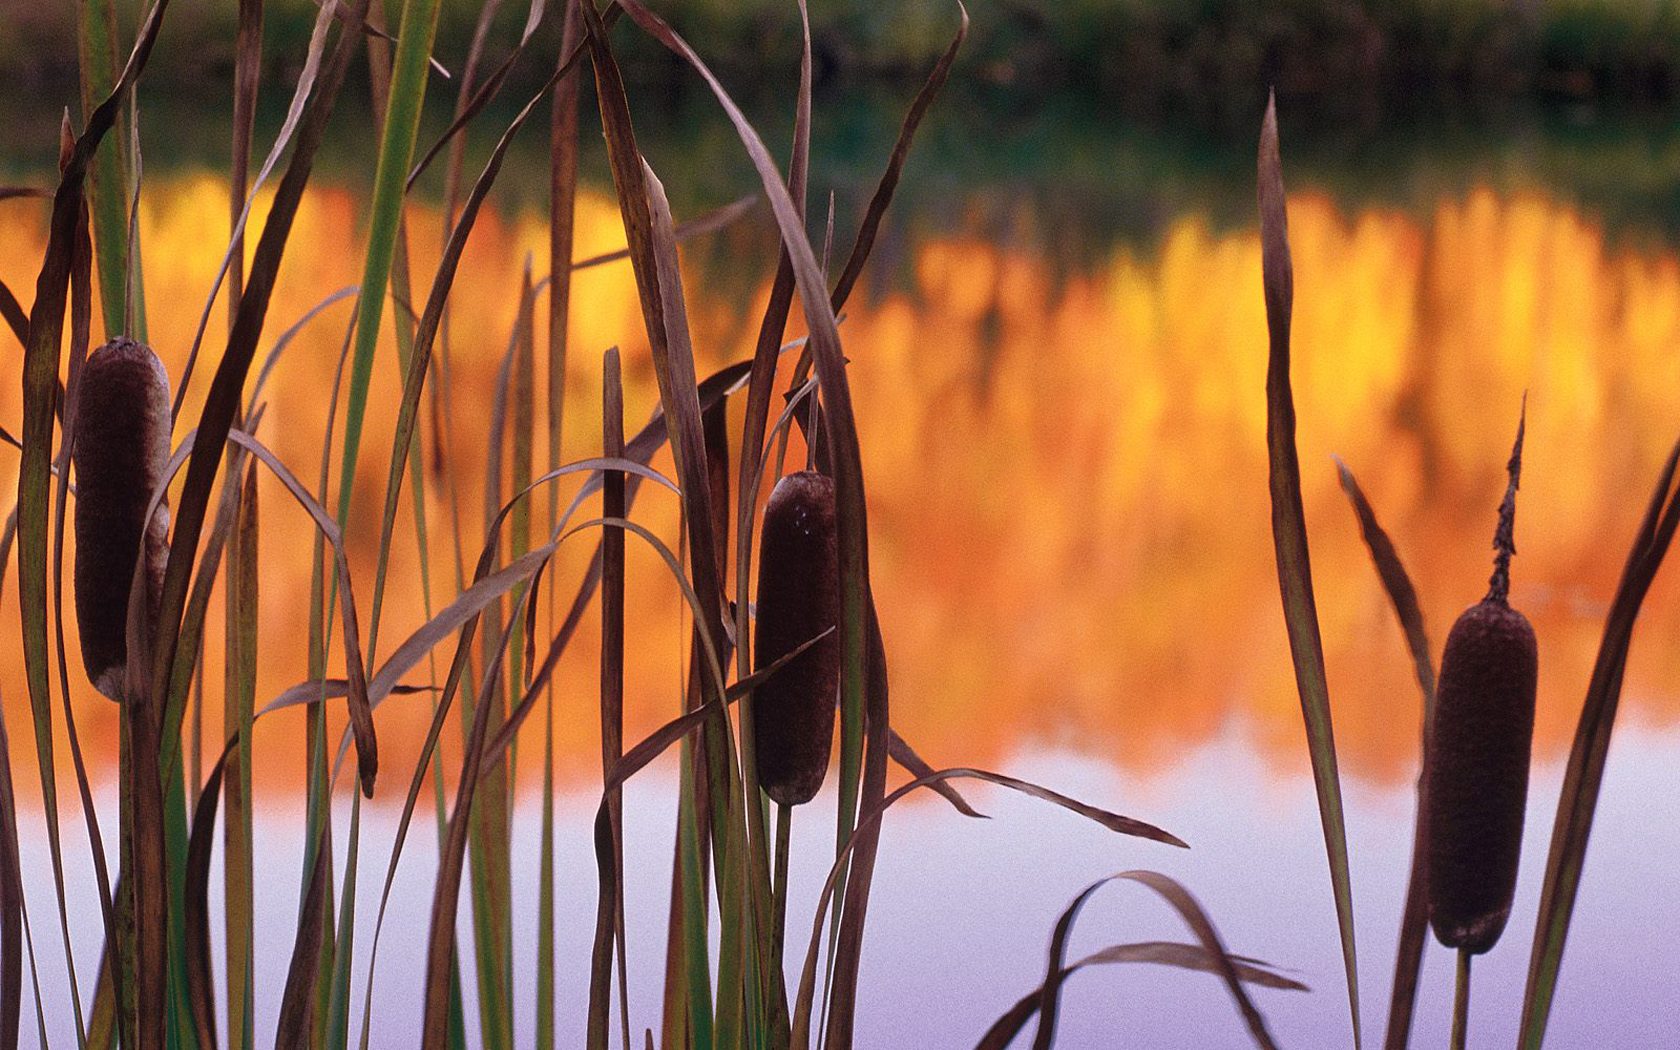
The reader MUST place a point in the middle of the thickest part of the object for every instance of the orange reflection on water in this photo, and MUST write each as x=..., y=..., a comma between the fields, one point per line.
x=1067, y=481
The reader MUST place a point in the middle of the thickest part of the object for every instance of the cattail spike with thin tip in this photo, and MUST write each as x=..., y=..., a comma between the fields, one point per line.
x=798, y=599
x=121, y=448
x=1504, y=539
x=1476, y=777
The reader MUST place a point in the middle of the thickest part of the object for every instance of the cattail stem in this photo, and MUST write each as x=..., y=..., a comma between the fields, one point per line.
x=1504, y=540
x=1461, y=1001
x=778, y=886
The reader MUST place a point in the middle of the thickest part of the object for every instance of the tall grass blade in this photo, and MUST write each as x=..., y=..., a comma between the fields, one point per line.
x=200, y=841
x=11, y=905
x=609, y=914
x=1289, y=536
x=247, y=74
x=563, y=163
x=96, y=24
x=40, y=399
x=1414, y=917
x=16, y=317
x=401, y=127
x=297, y=1004
x=446, y=891
x=1584, y=774
x=238, y=712
x=765, y=358
x=647, y=223
x=427, y=331
x=81, y=320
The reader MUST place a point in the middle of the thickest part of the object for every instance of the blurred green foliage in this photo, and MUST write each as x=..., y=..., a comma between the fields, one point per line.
x=1148, y=54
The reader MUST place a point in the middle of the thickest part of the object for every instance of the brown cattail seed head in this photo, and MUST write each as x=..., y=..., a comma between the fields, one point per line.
x=798, y=599
x=1476, y=757
x=1476, y=783
x=121, y=449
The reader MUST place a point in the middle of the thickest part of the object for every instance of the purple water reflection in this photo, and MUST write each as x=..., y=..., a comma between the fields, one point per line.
x=963, y=909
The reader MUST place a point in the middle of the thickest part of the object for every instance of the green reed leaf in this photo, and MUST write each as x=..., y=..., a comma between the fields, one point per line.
x=1289, y=536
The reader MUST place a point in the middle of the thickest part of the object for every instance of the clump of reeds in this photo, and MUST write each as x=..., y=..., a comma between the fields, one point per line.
x=121, y=448
x=798, y=599
x=1476, y=777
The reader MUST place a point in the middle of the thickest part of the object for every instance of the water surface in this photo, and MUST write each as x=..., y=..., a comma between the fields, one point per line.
x=1070, y=539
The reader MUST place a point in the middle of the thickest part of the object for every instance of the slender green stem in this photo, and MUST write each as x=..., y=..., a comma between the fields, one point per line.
x=784, y=844
x=1461, y=1002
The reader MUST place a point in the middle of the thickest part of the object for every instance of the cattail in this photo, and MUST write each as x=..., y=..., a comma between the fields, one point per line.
x=798, y=599
x=1476, y=762
x=121, y=448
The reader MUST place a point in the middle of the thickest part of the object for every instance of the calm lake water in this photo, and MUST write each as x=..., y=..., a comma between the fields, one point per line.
x=1059, y=373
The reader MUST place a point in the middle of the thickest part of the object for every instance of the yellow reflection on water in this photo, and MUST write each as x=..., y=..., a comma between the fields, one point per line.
x=1069, y=520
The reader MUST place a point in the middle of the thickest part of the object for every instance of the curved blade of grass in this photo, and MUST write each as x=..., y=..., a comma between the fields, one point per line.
x=1208, y=956
x=361, y=713
x=487, y=91
x=872, y=818
x=901, y=752
x=285, y=340
x=1157, y=953
x=1414, y=917
x=647, y=223
x=486, y=588
x=1192, y=913
x=659, y=289
x=1584, y=774
x=1289, y=536
x=720, y=218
